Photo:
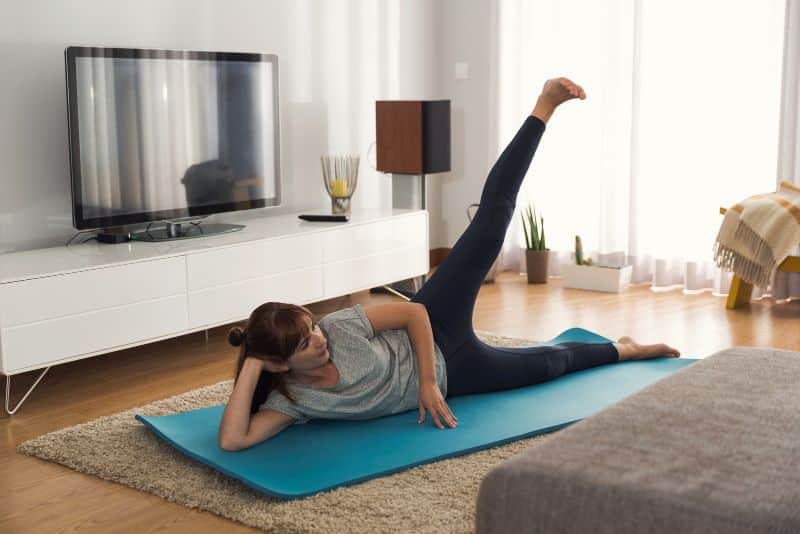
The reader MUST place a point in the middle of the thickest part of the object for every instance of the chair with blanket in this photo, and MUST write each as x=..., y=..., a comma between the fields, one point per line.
x=740, y=291
x=755, y=239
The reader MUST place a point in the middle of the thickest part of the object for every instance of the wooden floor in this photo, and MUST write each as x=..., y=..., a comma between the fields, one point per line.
x=39, y=496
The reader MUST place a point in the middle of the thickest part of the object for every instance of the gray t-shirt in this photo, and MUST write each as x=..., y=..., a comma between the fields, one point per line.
x=378, y=373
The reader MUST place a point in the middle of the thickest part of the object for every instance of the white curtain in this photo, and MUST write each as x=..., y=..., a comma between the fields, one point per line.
x=787, y=285
x=682, y=117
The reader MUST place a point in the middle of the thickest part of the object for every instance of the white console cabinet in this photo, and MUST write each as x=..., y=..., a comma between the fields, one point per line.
x=67, y=303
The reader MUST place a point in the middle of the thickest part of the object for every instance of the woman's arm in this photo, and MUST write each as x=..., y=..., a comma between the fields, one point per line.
x=263, y=425
x=421, y=334
x=392, y=316
x=238, y=429
x=430, y=397
x=413, y=316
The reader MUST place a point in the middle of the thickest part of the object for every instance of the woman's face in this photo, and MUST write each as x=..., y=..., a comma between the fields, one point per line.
x=311, y=352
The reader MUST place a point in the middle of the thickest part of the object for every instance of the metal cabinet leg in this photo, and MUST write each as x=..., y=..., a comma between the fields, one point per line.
x=12, y=411
x=393, y=291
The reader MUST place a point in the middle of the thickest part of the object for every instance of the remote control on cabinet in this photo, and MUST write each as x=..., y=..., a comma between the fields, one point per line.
x=325, y=218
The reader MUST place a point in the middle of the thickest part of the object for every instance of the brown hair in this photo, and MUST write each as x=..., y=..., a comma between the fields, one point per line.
x=272, y=332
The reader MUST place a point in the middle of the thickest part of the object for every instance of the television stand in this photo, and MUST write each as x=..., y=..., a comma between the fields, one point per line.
x=184, y=230
x=63, y=304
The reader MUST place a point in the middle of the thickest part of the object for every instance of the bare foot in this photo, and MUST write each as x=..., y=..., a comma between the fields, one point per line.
x=559, y=90
x=628, y=349
x=554, y=93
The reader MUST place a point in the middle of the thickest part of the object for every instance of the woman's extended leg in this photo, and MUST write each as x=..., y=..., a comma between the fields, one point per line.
x=449, y=295
x=476, y=367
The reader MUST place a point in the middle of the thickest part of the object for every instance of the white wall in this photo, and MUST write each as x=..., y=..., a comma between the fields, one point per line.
x=466, y=36
x=336, y=59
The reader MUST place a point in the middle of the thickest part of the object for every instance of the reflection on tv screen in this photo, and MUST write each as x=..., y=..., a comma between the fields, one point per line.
x=160, y=134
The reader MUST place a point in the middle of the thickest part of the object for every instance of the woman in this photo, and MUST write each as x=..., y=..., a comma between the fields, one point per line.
x=360, y=363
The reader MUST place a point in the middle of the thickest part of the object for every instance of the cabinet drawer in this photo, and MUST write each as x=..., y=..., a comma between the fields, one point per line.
x=47, y=342
x=369, y=271
x=74, y=293
x=368, y=239
x=252, y=260
x=234, y=302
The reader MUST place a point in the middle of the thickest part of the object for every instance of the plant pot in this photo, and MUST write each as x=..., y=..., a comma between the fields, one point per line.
x=536, y=262
x=594, y=278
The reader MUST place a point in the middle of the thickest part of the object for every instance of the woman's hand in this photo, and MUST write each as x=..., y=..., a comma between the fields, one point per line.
x=430, y=399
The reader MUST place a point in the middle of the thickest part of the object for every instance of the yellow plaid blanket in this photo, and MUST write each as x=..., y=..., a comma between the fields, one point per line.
x=758, y=233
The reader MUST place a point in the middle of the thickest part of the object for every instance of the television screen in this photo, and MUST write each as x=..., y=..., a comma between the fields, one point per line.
x=163, y=134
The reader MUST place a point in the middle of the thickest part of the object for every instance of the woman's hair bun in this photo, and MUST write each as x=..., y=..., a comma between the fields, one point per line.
x=236, y=336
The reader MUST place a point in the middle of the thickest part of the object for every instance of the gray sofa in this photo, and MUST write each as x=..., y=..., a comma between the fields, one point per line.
x=713, y=448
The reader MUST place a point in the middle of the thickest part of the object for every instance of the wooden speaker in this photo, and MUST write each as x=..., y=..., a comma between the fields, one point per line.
x=412, y=136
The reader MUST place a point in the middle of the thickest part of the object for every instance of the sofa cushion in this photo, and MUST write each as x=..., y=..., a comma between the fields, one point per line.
x=714, y=447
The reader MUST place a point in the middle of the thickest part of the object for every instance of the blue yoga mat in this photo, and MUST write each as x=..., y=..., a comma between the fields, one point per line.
x=324, y=454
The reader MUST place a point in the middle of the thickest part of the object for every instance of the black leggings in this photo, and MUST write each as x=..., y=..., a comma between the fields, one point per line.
x=449, y=295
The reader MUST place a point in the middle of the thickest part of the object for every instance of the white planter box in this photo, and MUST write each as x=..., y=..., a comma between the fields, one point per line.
x=609, y=279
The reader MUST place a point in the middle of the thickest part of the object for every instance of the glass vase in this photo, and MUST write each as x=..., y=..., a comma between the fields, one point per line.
x=340, y=205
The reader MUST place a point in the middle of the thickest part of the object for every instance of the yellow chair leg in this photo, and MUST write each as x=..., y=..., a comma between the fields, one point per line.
x=739, y=294
x=791, y=264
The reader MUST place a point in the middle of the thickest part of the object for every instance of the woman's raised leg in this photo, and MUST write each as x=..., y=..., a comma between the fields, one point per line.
x=449, y=295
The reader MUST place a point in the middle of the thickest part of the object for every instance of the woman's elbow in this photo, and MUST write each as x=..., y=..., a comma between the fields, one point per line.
x=227, y=443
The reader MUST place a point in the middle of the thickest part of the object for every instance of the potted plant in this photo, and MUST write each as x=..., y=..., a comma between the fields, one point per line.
x=537, y=255
x=584, y=274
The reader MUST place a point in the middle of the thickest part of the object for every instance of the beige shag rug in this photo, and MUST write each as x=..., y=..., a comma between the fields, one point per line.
x=436, y=497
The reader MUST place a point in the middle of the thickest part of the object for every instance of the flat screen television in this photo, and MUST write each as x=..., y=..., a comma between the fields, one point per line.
x=157, y=135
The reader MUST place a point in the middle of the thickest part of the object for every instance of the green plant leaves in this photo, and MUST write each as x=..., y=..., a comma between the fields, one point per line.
x=534, y=231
